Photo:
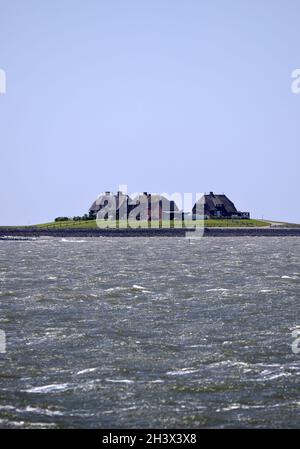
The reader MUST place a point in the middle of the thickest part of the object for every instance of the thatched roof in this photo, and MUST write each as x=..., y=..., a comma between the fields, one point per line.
x=213, y=202
x=155, y=199
x=106, y=198
x=122, y=204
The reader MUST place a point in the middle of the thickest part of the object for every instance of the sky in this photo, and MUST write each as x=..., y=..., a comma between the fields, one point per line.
x=161, y=95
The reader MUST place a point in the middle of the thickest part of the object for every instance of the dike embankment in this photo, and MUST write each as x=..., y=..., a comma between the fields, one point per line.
x=30, y=232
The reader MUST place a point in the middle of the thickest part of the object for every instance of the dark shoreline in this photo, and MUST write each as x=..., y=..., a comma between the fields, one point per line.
x=86, y=232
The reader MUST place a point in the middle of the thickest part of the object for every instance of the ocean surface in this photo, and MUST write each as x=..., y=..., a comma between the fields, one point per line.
x=150, y=332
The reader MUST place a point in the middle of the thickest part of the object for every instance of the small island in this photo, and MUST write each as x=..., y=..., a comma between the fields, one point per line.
x=154, y=215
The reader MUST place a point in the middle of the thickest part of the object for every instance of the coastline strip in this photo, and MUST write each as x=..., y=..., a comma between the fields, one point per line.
x=9, y=232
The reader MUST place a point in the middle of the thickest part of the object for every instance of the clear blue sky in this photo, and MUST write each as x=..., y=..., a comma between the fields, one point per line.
x=161, y=95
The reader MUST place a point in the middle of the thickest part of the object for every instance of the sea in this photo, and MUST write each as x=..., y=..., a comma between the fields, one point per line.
x=150, y=332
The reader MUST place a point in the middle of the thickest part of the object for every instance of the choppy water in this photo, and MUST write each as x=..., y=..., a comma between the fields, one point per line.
x=150, y=332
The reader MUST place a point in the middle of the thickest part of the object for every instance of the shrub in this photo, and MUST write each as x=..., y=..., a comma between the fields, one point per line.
x=62, y=219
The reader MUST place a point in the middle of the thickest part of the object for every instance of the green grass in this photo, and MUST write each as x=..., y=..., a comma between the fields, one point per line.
x=155, y=224
x=236, y=223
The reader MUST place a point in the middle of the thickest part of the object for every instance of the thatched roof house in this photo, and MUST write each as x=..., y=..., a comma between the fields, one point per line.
x=217, y=206
x=112, y=205
x=145, y=206
x=155, y=207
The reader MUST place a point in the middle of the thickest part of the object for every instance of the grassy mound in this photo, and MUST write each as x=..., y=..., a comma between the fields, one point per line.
x=155, y=224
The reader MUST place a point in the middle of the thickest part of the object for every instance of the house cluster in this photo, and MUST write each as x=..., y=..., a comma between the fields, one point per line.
x=147, y=206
